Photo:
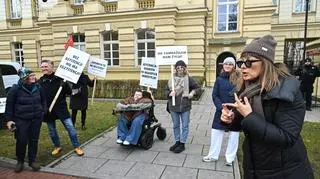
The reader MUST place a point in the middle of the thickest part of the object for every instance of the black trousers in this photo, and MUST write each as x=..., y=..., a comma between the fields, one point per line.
x=307, y=95
x=83, y=116
x=27, y=133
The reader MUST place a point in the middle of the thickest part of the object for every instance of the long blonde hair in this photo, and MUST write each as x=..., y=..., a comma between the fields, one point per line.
x=269, y=76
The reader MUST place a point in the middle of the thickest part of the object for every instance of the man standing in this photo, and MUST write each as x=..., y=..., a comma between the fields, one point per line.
x=50, y=84
x=307, y=74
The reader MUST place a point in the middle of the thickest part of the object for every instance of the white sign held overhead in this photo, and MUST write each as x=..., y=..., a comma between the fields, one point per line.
x=72, y=65
x=97, y=67
x=169, y=55
x=149, y=73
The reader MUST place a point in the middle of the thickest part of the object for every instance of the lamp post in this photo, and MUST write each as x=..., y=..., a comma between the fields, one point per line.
x=305, y=30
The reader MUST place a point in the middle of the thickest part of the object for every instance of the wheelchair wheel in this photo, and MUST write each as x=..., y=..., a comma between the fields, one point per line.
x=147, y=139
x=161, y=133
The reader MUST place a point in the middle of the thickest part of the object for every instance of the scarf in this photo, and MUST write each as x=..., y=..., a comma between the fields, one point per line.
x=253, y=93
x=181, y=85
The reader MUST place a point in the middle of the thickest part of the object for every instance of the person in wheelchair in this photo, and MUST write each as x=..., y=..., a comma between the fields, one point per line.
x=132, y=113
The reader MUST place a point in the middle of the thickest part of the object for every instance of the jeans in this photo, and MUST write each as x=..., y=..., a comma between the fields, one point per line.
x=67, y=123
x=131, y=135
x=27, y=133
x=180, y=133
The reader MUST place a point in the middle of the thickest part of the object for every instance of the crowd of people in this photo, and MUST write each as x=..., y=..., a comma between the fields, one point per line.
x=253, y=95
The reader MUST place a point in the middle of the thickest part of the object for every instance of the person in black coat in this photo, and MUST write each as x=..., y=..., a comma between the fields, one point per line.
x=270, y=110
x=24, y=112
x=51, y=83
x=307, y=75
x=79, y=99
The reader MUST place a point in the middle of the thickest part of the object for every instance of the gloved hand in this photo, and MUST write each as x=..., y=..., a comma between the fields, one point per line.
x=10, y=124
x=191, y=94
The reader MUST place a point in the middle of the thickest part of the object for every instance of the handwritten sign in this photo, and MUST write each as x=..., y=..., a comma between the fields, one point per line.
x=97, y=67
x=169, y=55
x=149, y=72
x=72, y=65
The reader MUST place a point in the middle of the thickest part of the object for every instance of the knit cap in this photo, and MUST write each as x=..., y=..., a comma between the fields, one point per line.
x=264, y=47
x=24, y=73
x=180, y=63
x=229, y=60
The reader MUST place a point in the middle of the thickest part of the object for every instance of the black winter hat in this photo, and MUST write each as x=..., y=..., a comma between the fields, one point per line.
x=264, y=46
x=180, y=63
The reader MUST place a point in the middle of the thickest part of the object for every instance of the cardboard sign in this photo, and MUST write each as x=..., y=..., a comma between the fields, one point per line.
x=97, y=67
x=169, y=55
x=72, y=65
x=149, y=72
x=2, y=104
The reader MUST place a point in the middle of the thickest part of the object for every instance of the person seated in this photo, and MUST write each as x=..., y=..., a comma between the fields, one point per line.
x=132, y=114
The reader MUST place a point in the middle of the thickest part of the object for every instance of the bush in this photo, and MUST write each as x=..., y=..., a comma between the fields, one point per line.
x=119, y=89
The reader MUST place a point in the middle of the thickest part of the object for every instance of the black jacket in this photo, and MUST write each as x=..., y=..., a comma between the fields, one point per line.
x=307, y=75
x=79, y=101
x=25, y=103
x=50, y=85
x=273, y=147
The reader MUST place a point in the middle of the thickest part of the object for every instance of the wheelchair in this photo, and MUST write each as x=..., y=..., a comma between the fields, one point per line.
x=149, y=127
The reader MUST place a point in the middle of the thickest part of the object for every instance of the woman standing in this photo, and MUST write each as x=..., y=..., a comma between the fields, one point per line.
x=184, y=89
x=270, y=110
x=25, y=108
x=79, y=99
x=224, y=88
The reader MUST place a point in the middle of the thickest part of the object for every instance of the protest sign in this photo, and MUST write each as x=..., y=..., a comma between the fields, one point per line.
x=169, y=55
x=97, y=67
x=149, y=72
x=72, y=65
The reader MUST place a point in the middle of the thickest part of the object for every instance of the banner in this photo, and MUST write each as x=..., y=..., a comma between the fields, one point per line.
x=149, y=72
x=169, y=55
x=97, y=67
x=72, y=65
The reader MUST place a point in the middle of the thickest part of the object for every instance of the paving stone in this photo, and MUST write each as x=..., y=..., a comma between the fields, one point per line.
x=195, y=161
x=115, y=167
x=142, y=156
x=172, y=140
x=99, y=141
x=171, y=159
x=204, y=127
x=205, y=174
x=147, y=171
x=66, y=163
x=201, y=140
x=221, y=166
x=118, y=153
x=87, y=164
x=200, y=133
x=93, y=150
x=161, y=146
x=193, y=149
x=178, y=172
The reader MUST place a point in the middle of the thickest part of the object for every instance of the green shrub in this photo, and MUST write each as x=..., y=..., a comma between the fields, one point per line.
x=119, y=89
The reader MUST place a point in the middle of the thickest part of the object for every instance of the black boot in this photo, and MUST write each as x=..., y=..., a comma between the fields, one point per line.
x=174, y=146
x=35, y=166
x=19, y=167
x=180, y=148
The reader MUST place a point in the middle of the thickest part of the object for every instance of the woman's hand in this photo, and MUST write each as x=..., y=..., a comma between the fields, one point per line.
x=227, y=115
x=173, y=93
x=244, y=108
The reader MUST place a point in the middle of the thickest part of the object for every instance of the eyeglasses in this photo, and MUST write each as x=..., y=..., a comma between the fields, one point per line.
x=247, y=63
x=180, y=67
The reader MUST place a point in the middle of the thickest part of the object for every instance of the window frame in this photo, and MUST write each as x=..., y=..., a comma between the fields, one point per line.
x=227, y=22
x=15, y=9
x=111, y=43
x=19, y=50
x=312, y=6
x=78, y=2
x=145, y=41
x=78, y=44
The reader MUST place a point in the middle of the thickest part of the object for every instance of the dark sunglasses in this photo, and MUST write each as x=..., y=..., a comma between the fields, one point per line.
x=247, y=63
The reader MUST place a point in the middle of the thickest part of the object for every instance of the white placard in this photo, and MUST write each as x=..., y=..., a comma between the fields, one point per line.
x=2, y=104
x=169, y=55
x=149, y=72
x=72, y=64
x=97, y=67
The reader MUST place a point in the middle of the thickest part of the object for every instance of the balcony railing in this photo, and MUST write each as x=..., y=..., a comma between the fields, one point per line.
x=77, y=9
x=145, y=4
x=110, y=6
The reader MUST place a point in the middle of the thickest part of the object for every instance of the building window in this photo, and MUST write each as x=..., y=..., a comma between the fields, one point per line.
x=15, y=9
x=276, y=2
x=18, y=53
x=79, y=41
x=227, y=18
x=145, y=45
x=111, y=48
x=78, y=2
x=300, y=6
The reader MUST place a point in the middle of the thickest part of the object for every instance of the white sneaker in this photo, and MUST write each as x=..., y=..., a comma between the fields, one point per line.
x=209, y=159
x=126, y=143
x=119, y=141
x=229, y=164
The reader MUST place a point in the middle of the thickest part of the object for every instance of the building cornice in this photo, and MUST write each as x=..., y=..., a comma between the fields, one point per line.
x=19, y=30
